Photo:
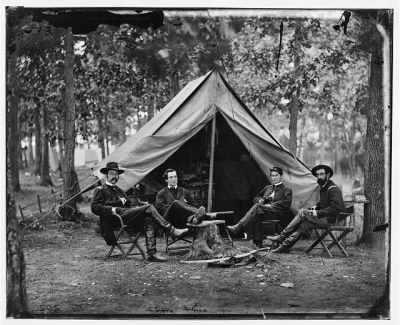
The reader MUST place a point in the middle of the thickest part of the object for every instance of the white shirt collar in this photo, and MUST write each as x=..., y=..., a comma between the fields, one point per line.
x=109, y=184
x=278, y=184
x=174, y=187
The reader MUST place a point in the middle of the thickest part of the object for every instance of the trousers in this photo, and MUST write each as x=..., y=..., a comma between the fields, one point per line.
x=180, y=213
x=258, y=213
x=301, y=224
x=144, y=217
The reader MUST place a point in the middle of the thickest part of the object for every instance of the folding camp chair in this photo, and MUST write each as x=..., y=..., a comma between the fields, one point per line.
x=336, y=232
x=123, y=237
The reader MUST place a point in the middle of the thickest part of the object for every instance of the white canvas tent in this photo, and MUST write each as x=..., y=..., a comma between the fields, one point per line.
x=194, y=107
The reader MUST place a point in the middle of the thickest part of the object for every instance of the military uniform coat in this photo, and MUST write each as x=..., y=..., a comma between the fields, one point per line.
x=105, y=198
x=175, y=206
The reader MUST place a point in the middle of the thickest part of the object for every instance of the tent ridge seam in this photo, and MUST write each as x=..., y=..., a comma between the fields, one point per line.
x=186, y=99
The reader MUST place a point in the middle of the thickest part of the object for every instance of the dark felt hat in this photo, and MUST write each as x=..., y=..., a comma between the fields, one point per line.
x=276, y=169
x=111, y=166
x=325, y=167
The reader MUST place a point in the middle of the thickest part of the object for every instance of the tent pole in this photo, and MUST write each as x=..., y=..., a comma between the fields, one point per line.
x=211, y=176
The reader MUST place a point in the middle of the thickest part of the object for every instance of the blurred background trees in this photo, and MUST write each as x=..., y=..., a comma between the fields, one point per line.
x=305, y=79
x=313, y=81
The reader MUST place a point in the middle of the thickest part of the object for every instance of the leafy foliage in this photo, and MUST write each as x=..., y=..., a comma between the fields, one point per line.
x=124, y=75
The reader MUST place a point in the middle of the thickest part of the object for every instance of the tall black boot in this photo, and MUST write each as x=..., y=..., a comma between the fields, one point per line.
x=290, y=228
x=249, y=216
x=288, y=243
x=149, y=234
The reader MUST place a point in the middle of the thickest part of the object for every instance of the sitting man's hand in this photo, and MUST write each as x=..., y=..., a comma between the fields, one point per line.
x=114, y=211
x=312, y=212
x=123, y=200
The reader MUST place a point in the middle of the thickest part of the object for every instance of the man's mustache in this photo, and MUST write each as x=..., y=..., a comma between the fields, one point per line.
x=114, y=179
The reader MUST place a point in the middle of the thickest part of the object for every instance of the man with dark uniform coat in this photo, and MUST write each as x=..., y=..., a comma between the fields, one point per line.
x=272, y=203
x=175, y=203
x=109, y=200
x=322, y=215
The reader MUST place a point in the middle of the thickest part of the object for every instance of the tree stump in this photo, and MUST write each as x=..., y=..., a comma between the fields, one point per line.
x=209, y=244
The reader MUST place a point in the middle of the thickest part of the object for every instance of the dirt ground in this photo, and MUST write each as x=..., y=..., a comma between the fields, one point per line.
x=66, y=277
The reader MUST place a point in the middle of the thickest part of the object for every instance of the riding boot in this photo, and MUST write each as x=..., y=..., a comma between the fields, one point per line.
x=199, y=216
x=158, y=217
x=287, y=243
x=290, y=228
x=149, y=234
x=236, y=229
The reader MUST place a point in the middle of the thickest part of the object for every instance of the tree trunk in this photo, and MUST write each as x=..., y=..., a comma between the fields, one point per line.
x=106, y=135
x=174, y=83
x=38, y=140
x=13, y=122
x=374, y=213
x=23, y=157
x=300, y=149
x=45, y=179
x=30, y=150
x=100, y=136
x=124, y=115
x=152, y=101
x=322, y=138
x=294, y=103
x=69, y=212
x=336, y=156
x=60, y=139
x=16, y=287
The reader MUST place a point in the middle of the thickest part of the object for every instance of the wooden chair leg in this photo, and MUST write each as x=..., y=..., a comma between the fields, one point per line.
x=318, y=240
x=135, y=243
x=166, y=237
x=337, y=243
x=122, y=250
x=340, y=237
x=227, y=233
x=170, y=241
x=117, y=236
x=131, y=240
x=324, y=245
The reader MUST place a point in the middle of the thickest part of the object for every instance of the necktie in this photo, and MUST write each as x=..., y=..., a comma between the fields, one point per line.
x=173, y=191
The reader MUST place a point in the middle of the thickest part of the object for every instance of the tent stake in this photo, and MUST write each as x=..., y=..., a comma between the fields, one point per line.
x=211, y=176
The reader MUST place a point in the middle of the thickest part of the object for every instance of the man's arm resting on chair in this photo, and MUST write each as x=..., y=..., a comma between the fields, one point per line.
x=100, y=205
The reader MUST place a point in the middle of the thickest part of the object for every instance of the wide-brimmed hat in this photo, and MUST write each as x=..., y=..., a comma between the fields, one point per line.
x=111, y=166
x=325, y=167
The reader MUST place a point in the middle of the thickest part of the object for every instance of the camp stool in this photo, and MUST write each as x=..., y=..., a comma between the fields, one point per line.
x=336, y=232
x=123, y=238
